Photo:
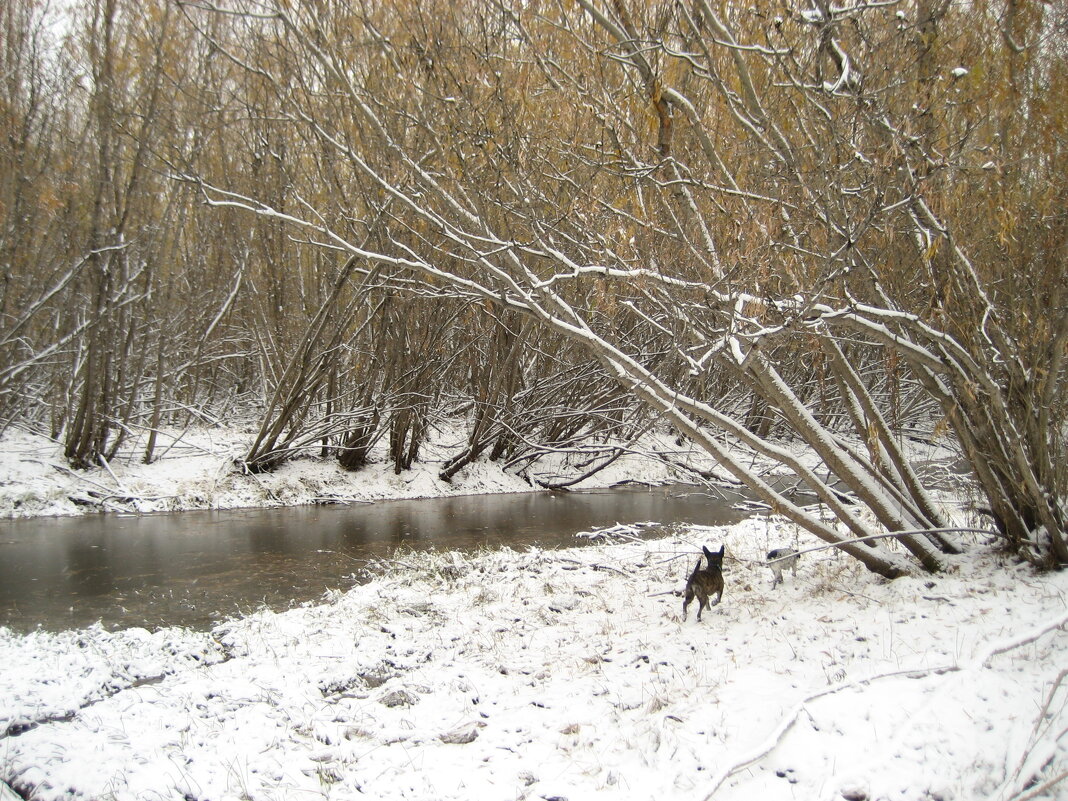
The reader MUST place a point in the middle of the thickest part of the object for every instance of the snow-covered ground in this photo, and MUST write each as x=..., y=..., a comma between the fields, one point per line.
x=537, y=674
x=196, y=470
x=568, y=674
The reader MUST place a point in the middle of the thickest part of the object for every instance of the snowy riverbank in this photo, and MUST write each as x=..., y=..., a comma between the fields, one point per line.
x=567, y=674
x=196, y=471
x=535, y=675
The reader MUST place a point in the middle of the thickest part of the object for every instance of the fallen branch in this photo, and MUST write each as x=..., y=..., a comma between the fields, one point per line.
x=597, y=468
x=1013, y=643
x=769, y=744
x=19, y=727
x=594, y=566
x=74, y=474
x=982, y=661
x=111, y=473
x=1040, y=791
x=1023, y=776
x=910, y=533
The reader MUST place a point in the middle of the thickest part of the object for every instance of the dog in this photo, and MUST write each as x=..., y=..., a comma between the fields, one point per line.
x=782, y=559
x=705, y=583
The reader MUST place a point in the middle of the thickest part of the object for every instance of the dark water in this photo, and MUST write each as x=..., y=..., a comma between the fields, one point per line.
x=196, y=568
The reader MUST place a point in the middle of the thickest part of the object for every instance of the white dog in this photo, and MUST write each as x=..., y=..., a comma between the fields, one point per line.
x=782, y=559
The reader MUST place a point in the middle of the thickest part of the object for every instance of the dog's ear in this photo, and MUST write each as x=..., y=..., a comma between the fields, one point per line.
x=722, y=550
x=708, y=553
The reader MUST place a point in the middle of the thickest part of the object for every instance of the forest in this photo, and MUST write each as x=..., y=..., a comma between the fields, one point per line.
x=836, y=225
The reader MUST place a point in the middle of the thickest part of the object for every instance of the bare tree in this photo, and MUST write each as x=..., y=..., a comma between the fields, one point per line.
x=735, y=181
x=819, y=221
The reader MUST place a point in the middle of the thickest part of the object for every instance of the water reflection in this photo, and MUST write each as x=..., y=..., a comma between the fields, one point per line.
x=195, y=568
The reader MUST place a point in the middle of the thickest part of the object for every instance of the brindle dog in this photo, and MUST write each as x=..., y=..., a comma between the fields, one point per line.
x=705, y=583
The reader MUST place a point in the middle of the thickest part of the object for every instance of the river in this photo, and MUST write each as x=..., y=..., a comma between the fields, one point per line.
x=197, y=568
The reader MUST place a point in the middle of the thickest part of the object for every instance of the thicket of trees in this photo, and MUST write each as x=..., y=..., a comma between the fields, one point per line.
x=833, y=222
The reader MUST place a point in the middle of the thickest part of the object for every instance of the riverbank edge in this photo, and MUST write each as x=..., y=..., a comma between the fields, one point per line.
x=198, y=471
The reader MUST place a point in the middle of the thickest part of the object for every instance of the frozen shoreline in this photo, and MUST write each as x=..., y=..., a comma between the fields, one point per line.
x=565, y=674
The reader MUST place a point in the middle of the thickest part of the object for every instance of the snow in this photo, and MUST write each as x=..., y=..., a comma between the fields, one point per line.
x=197, y=471
x=196, y=468
x=536, y=674
x=567, y=674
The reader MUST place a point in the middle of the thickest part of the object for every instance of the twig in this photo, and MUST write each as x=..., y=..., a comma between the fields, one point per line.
x=111, y=473
x=676, y=556
x=787, y=722
x=909, y=533
x=619, y=532
x=1057, y=682
x=266, y=490
x=1032, y=742
x=854, y=594
x=594, y=566
x=80, y=477
x=769, y=744
x=559, y=485
x=1017, y=642
x=1039, y=791
x=19, y=727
